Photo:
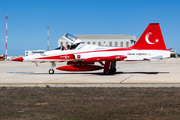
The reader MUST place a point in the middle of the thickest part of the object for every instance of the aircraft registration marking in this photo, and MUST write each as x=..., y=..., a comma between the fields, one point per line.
x=137, y=54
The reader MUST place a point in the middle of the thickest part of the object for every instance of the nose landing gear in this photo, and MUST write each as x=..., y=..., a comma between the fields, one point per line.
x=51, y=71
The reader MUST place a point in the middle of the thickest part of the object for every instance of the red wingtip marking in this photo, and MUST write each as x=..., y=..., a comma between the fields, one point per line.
x=18, y=59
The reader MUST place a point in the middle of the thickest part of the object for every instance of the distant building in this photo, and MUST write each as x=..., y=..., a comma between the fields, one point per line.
x=32, y=52
x=110, y=40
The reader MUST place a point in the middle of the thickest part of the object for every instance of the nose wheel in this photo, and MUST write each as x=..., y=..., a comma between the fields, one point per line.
x=51, y=71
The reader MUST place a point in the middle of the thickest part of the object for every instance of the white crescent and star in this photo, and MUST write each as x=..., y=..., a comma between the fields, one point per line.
x=147, y=38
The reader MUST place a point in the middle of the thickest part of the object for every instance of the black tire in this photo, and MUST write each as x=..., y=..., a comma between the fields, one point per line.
x=106, y=72
x=51, y=71
x=113, y=70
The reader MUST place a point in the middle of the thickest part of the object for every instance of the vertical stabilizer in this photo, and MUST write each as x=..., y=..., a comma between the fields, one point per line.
x=151, y=39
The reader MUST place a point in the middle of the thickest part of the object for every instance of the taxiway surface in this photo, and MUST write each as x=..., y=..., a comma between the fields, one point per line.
x=144, y=73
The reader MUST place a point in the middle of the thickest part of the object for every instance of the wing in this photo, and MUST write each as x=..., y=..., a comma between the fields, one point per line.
x=88, y=63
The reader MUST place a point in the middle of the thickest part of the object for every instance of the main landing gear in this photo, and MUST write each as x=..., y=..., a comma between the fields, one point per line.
x=112, y=65
x=51, y=71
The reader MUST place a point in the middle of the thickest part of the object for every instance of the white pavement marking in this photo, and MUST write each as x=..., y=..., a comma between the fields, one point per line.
x=126, y=78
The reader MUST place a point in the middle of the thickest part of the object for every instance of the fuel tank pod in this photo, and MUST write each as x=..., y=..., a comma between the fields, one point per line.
x=80, y=67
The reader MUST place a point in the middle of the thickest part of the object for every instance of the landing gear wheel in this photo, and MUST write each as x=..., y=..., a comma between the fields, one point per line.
x=51, y=71
x=113, y=70
x=106, y=72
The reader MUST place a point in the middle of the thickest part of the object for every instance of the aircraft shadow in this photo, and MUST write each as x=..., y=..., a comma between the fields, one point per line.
x=151, y=73
x=102, y=74
x=142, y=73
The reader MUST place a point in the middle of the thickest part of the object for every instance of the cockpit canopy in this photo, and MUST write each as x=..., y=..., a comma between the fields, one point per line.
x=78, y=45
x=71, y=38
x=74, y=40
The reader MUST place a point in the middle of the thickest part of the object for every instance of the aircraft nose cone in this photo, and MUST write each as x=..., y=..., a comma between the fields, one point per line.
x=18, y=59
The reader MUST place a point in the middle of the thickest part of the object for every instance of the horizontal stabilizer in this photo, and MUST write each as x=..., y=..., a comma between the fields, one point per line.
x=156, y=58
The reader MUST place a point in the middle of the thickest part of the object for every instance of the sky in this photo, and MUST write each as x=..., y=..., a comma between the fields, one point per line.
x=28, y=20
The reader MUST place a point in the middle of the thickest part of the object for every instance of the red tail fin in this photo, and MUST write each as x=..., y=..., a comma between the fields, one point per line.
x=151, y=39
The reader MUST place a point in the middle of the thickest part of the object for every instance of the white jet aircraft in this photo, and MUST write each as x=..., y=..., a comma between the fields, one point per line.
x=81, y=57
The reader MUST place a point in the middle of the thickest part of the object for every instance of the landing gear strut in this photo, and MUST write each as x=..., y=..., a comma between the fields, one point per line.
x=112, y=65
x=106, y=67
x=51, y=71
